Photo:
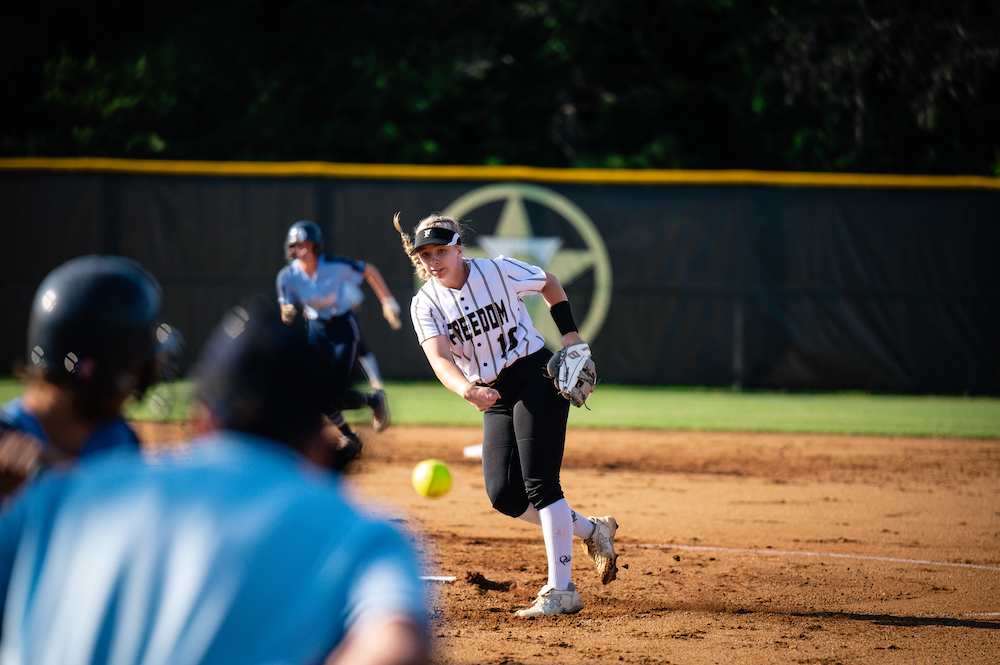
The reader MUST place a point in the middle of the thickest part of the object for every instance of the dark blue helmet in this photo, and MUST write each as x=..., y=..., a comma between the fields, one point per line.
x=94, y=320
x=258, y=375
x=300, y=232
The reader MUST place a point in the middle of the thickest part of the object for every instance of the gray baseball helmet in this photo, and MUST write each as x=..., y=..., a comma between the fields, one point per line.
x=302, y=231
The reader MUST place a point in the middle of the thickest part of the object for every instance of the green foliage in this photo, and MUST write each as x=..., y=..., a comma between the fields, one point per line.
x=874, y=86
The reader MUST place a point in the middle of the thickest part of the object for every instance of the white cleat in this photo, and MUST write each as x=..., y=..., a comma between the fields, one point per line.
x=552, y=601
x=601, y=547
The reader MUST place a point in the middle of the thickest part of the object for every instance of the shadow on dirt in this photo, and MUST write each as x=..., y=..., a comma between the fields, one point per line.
x=908, y=621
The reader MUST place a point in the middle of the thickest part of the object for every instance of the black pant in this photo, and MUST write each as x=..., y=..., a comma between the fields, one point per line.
x=337, y=339
x=524, y=435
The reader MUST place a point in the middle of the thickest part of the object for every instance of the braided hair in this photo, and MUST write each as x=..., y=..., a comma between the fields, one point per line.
x=436, y=220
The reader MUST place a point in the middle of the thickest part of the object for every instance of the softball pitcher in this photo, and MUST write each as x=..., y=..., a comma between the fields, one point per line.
x=476, y=333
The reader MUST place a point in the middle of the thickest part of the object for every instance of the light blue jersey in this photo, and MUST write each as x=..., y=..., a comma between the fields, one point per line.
x=232, y=550
x=327, y=293
x=111, y=434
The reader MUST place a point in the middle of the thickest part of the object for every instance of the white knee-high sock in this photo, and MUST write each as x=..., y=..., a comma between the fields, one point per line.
x=557, y=530
x=531, y=515
x=582, y=527
x=370, y=367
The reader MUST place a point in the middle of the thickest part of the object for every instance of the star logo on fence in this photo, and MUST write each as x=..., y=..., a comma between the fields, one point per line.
x=514, y=236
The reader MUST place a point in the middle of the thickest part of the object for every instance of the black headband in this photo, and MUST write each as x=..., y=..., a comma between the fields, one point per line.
x=434, y=235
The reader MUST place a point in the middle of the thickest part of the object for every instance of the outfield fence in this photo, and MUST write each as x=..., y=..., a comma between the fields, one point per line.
x=758, y=280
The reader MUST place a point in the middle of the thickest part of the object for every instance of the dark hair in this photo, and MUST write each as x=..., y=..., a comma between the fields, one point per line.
x=260, y=376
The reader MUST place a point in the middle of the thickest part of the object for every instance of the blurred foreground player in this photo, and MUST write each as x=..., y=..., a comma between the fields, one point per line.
x=93, y=342
x=234, y=549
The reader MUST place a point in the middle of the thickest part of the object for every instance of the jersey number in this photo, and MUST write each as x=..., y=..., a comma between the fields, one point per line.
x=505, y=345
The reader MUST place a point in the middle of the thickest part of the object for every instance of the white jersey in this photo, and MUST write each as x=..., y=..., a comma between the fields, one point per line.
x=485, y=321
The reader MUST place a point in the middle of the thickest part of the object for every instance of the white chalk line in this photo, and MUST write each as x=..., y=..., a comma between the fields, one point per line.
x=833, y=555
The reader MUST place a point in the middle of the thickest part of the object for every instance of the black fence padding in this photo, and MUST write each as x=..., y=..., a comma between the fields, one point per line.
x=775, y=287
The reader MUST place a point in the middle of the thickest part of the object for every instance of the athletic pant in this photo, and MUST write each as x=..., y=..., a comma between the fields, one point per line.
x=337, y=338
x=524, y=435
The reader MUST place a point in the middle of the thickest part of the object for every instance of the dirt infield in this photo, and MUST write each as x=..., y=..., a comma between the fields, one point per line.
x=734, y=548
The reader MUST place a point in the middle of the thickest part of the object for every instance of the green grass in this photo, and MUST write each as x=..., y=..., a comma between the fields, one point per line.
x=826, y=413
x=631, y=407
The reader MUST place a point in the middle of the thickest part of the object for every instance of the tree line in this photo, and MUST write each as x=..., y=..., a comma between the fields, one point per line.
x=878, y=86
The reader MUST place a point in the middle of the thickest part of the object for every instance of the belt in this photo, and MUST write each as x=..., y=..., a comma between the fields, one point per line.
x=503, y=374
x=508, y=370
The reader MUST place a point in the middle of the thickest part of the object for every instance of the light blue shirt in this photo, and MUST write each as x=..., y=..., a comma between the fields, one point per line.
x=325, y=294
x=114, y=433
x=232, y=550
x=111, y=434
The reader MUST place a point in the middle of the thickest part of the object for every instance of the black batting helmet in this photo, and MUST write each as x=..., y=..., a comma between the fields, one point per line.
x=258, y=375
x=94, y=320
x=301, y=232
